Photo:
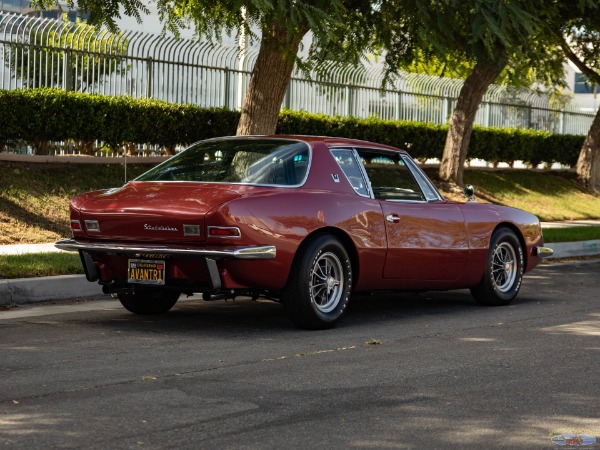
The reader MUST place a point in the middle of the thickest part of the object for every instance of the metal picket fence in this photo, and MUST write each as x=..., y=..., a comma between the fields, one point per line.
x=37, y=52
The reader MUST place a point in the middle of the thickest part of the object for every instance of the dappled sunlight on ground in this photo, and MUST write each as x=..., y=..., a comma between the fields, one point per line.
x=525, y=431
x=20, y=424
x=583, y=328
x=477, y=339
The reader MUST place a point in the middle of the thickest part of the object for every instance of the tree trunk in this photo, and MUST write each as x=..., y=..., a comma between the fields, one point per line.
x=461, y=122
x=41, y=147
x=86, y=147
x=269, y=81
x=588, y=164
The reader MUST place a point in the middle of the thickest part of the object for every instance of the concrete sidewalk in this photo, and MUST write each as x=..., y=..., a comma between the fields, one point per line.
x=20, y=291
x=571, y=249
x=19, y=249
x=31, y=290
x=571, y=223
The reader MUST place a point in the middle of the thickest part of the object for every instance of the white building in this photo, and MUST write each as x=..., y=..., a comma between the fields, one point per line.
x=586, y=94
x=22, y=7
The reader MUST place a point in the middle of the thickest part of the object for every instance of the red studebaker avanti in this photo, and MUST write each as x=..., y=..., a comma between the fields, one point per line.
x=302, y=220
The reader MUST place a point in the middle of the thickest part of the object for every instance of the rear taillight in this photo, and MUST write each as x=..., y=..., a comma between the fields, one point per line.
x=224, y=232
x=92, y=225
x=191, y=230
x=75, y=225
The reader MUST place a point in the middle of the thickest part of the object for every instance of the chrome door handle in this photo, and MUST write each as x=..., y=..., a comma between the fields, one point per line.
x=392, y=218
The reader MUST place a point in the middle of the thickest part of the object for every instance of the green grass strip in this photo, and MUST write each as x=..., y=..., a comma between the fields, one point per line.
x=39, y=265
x=572, y=234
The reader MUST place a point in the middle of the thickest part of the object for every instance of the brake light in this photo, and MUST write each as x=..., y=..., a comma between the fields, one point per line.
x=224, y=232
x=75, y=225
x=92, y=225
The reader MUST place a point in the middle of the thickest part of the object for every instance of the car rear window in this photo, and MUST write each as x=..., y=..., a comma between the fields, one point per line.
x=241, y=160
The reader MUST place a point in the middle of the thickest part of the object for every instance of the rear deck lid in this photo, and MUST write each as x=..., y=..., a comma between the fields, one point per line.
x=153, y=211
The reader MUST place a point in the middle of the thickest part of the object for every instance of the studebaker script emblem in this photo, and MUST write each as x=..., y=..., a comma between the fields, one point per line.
x=159, y=228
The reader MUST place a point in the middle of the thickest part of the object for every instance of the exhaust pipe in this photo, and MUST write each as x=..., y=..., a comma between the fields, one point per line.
x=207, y=296
x=113, y=289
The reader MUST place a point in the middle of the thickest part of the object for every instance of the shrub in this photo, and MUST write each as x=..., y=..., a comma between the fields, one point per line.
x=42, y=115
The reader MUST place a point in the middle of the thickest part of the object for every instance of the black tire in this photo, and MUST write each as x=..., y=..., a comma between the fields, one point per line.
x=148, y=300
x=318, y=291
x=503, y=270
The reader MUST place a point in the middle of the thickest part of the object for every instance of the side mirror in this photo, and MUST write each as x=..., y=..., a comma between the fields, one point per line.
x=470, y=193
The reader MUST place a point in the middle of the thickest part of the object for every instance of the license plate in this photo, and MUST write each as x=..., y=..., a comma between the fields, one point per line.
x=144, y=271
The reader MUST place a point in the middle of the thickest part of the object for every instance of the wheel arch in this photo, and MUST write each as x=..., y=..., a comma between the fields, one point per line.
x=343, y=237
x=515, y=229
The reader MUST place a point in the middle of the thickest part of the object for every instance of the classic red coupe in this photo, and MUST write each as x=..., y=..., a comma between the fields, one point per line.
x=301, y=220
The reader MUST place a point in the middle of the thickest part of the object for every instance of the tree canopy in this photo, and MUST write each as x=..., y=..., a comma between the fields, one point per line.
x=483, y=41
x=342, y=27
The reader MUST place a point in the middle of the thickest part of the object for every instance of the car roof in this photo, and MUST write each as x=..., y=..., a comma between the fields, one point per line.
x=332, y=141
x=329, y=141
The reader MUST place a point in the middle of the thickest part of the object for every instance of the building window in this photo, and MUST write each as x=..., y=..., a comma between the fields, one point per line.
x=11, y=5
x=583, y=85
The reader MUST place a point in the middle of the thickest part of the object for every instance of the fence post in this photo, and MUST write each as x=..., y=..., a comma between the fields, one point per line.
x=447, y=109
x=398, y=115
x=149, y=80
x=226, y=87
x=67, y=74
x=287, y=101
x=349, y=100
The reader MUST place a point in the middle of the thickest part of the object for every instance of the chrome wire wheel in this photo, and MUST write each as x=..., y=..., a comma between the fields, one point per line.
x=504, y=267
x=320, y=283
x=503, y=272
x=326, y=282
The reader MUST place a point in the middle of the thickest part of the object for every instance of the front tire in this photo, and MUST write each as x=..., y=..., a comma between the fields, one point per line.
x=503, y=270
x=318, y=291
x=148, y=301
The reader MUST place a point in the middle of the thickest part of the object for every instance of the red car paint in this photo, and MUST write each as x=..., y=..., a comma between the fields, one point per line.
x=416, y=245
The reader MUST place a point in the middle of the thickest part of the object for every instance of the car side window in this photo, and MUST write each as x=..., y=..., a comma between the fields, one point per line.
x=430, y=192
x=390, y=177
x=347, y=161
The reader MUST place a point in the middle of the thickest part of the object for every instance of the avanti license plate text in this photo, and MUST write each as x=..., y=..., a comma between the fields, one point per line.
x=143, y=271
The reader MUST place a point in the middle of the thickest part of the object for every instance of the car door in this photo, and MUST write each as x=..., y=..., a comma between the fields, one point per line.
x=427, y=238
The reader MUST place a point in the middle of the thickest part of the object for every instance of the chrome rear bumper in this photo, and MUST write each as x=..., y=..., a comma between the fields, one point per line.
x=263, y=252
x=208, y=254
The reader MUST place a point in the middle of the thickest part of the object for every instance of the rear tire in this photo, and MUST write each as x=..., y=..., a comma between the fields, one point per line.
x=148, y=301
x=318, y=291
x=503, y=270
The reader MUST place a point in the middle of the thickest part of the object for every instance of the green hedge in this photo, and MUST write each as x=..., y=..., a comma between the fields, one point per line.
x=35, y=115
x=425, y=140
x=54, y=115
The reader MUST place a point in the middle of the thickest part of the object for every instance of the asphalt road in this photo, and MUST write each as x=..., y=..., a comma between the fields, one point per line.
x=400, y=372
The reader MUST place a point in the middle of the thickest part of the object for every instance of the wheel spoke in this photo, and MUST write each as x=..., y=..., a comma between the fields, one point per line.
x=320, y=273
x=504, y=267
x=320, y=298
x=326, y=279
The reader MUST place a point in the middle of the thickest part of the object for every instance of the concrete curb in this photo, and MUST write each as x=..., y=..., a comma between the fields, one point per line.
x=33, y=290
x=569, y=249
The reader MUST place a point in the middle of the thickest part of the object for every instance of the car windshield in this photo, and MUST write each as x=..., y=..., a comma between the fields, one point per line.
x=246, y=160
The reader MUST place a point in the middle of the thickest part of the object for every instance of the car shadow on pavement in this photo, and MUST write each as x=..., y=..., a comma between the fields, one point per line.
x=242, y=317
